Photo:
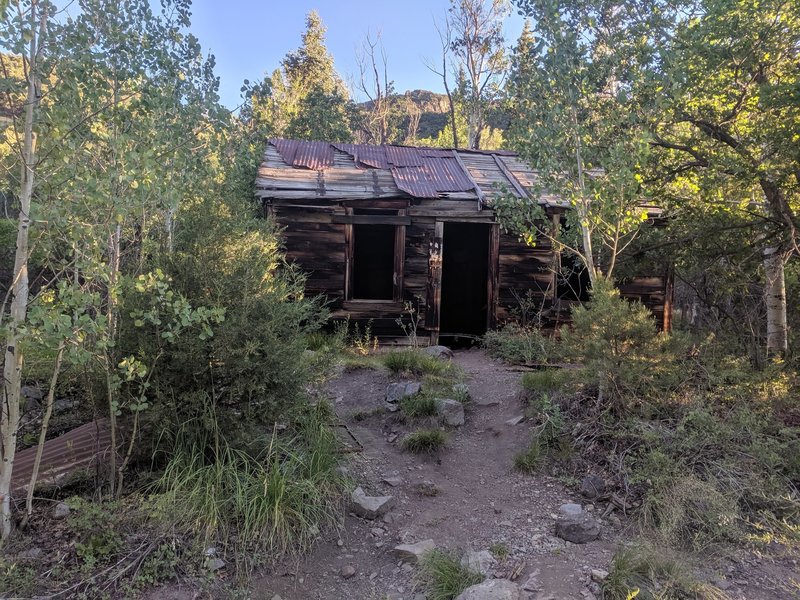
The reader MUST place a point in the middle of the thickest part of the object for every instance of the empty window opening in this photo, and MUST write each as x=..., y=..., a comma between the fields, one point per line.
x=465, y=272
x=573, y=280
x=373, y=262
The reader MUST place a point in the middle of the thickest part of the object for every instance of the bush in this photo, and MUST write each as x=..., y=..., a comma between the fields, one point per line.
x=616, y=343
x=254, y=369
x=520, y=345
x=424, y=441
x=443, y=576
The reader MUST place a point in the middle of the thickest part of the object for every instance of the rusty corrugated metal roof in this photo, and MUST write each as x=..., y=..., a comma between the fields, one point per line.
x=419, y=172
x=83, y=447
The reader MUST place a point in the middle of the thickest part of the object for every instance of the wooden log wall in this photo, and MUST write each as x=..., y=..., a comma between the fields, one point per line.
x=523, y=268
x=316, y=244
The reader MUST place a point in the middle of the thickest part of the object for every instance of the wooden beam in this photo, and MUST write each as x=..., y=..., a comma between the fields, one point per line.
x=478, y=190
x=511, y=177
x=372, y=219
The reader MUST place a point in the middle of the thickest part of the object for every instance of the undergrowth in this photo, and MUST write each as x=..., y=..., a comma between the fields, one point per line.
x=275, y=499
x=443, y=576
x=415, y=362
x=705, y=445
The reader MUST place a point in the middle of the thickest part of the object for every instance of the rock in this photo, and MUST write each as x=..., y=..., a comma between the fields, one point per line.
x=215, y=564
x=614, y=520
x=493, y=589
x=370, y=507
x=599, y=575
x=30, y=553
x=532, y=584
x=451, y=411
x=276, y=597
x=479, y=562
x=393, y=481
x=61, y=511
x=427, y=488
x=438, y=351
x=413, y=552
x=342, y=470
x=31, y=392
x=570, y=510
x=347, y=572
x=395, y=392
x=578, y=529
x=516, y=420
x=593, y=486
x=391, y=407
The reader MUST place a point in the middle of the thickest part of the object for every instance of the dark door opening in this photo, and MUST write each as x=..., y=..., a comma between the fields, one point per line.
x=465, y=272
x=373, y=262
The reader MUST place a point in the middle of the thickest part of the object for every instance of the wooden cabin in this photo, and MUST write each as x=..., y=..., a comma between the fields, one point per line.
x=379, y=227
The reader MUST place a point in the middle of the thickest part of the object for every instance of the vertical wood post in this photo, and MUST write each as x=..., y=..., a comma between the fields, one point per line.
x=434, y=291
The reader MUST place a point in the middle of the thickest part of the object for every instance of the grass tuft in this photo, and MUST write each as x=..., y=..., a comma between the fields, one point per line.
x=276, y=500
x=443, y=576
x=545, y=380
x=424, y=441
x=645, y=573
x=419, y=405
x=416, y=363
x=529, y=460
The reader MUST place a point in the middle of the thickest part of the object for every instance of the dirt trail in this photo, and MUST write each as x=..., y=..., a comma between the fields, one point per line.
x=481, y=501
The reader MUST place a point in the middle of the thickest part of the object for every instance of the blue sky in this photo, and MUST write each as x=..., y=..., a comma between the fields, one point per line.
x=250, y=37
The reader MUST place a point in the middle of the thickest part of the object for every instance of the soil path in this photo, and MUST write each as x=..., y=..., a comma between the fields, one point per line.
x=481, y=501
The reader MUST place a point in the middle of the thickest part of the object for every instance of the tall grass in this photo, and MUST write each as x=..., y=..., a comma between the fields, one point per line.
x=416, y=363
x=276, y=500
x=443, y=576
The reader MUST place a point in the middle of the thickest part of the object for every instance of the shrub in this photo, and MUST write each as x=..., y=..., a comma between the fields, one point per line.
x=443, y=576
x=616, y=343
x=520, y=345
x=424, y=441
x=96, y=529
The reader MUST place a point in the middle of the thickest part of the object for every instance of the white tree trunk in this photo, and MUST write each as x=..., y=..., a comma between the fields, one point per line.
x=12, y=368
x=775, y=297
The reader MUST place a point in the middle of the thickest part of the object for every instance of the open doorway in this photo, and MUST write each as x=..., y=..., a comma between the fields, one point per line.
x=373, y=262
x=465, y=272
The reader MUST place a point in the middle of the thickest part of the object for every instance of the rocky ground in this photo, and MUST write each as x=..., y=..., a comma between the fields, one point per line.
x=467, y=498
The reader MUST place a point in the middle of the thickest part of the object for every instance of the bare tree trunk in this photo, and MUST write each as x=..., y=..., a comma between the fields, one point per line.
x=775, y=296
x=51, y=395
x=583, y=206
x=12, y=369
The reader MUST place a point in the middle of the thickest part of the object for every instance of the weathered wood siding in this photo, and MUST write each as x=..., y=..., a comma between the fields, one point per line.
x=523, y=268
x=317, y=245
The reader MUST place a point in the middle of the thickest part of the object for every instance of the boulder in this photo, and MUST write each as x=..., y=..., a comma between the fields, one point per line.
x=578, y=529
x=395, y=392
x=61, y=511
x=493, y=589
x=31, y=392
x=570, y=510
x=438, y=351
x=479, y=562
x=593, y=486
x=411, y=553
x=370, y=507
x=451, y=411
